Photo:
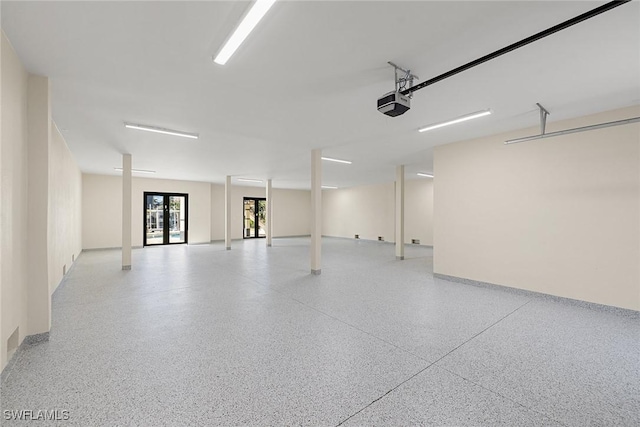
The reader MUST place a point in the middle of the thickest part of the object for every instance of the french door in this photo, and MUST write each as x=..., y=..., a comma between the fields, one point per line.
x=254, y=217
x=166, y=218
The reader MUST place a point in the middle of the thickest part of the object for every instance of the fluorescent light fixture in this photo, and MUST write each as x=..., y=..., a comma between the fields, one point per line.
x=161, y=130
x=251, y=19
x=336, y=160
x=428, y=175
x=136, y=170
x=249, y=180
x=329, y=187
x=456, y=120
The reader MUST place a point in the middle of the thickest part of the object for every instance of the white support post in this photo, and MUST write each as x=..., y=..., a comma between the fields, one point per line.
x=38, y=297
x=400, y=212
x=227, y=212
x=269, y=207
x=126, y=211
x=316, y=211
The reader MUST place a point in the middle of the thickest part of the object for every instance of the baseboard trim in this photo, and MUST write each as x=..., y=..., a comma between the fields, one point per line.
x=111, y=248
x=223, y=240
x=358, y=240
x=28, y=341
x=102, y=249
x=374, y=241
x=69, y=270
x=626, y=312
x=328, y=237
x=36, y=338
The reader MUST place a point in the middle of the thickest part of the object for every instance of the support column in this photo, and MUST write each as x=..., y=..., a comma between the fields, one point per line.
x=3, y=351
x=38, y=142
x=400, y=212
x=126, y=212
x=227, y=212
x=316, y=211
x=269, y=213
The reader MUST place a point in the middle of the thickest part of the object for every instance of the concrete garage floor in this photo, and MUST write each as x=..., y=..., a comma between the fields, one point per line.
x=197, y=335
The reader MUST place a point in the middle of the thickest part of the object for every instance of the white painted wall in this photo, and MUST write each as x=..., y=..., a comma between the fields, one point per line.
x=37, y=238
x=199, y=206
x=102, y=201
x=291, y=212
x=559, y=215
x=56, y=197
x=370, y=211
x=65, y=209
x=291, y=209
x=102, y=209
x=217, y=212
x=367, y=210
x=13, y=188
x=418, y=210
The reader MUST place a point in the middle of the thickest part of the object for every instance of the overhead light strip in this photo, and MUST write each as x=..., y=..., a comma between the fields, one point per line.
x=161, y=130
x=249, y=22
x=428, y=175
x=329, y=187
x=456, y=120
x=330, y=159
x=136, y=170
x=249, y=180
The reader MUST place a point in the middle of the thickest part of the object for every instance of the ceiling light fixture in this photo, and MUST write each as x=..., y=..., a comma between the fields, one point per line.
x=250, y=20
x=456, y=120
x=249, y=180
x=428, y=175
x=336, y=160
x=329, y=187
x=136, y=170
x=161, y=130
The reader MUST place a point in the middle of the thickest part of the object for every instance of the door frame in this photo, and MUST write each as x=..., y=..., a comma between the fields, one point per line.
x=256, y=227
x=165, y=219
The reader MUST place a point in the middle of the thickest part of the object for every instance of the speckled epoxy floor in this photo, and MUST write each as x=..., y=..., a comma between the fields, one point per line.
x=196, y=335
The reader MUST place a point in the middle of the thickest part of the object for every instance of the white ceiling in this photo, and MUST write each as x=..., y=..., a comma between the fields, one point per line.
x=309, y=77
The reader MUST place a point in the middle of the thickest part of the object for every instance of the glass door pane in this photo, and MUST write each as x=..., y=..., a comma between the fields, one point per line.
x=254, y=217
x=177, y=219
x=261, y=217
x=166, y=218
x=155, y=220
x=249, y=229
